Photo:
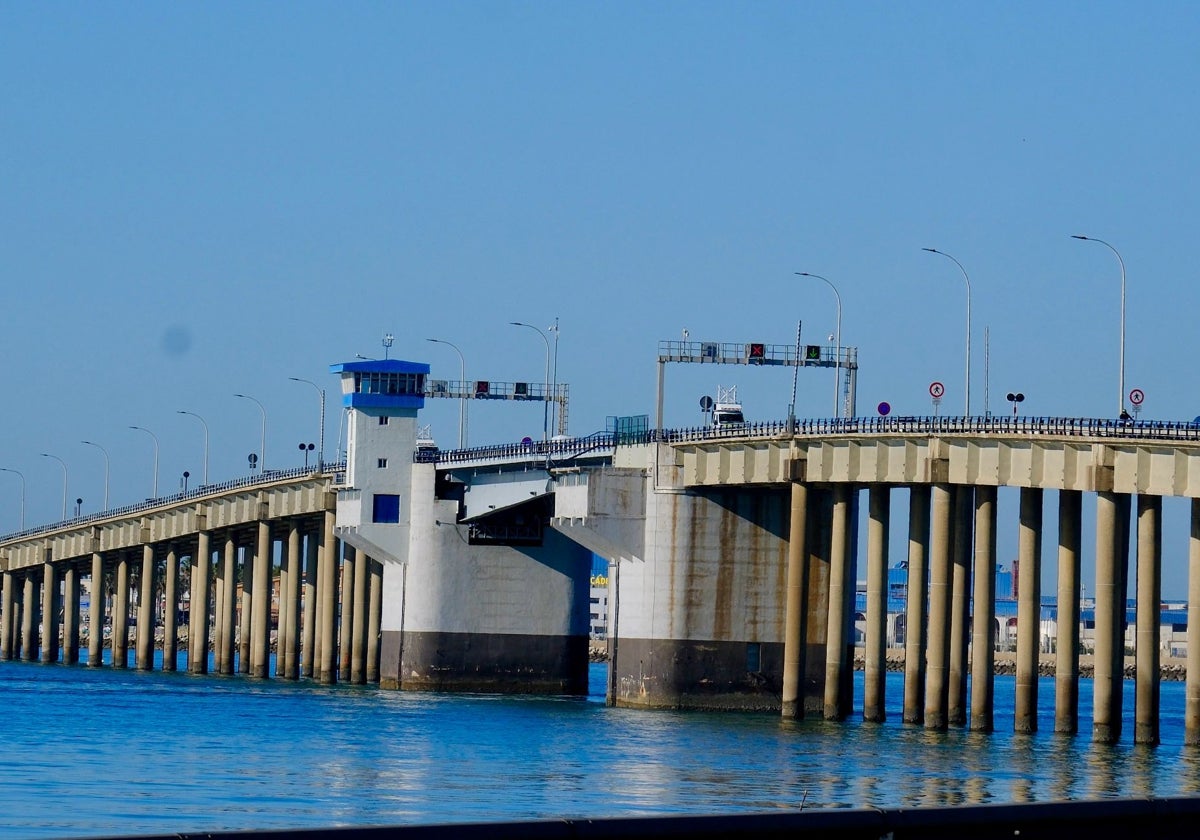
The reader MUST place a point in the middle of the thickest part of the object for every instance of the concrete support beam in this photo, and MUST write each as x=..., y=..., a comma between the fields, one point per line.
x=914, y=607
x=374, y=618
x=983, y=627
x=120, y=617
x=96, y=613
x=29, y=618
x=1191, y=714
x=875, y=666
x=201, y=583
x=289, y=607
x=226, y=654
x=346, y=630
x=170, y=660
x=358, y=641
x=960, y=605
x=839, y=654
x=144, y=656
x=327, y=573
x=281, y=621
x=797, y=580
x=1149, y=601
x=308, y=641
x=260, y=628
x=1109, y=652
x=70, y=647
x=936, y=682
x=1066, y=675
x=245, y=632
x=49, y=611
x=1029, y=609
x=7, y=626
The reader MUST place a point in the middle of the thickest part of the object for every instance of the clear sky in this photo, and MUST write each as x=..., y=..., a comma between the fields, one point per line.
x=198, y=200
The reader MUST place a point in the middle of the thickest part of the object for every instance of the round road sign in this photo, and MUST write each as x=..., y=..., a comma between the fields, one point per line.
x=1136, y=396
x=936, y=389
x=884, y=409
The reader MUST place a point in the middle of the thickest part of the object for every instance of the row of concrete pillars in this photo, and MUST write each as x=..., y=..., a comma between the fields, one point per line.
x=324, y=619
x=952, y=561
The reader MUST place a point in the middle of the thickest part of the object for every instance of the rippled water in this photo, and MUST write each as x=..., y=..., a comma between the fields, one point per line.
x=97, y=751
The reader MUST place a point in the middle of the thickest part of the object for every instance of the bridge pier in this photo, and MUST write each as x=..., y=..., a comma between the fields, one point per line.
x=936, y=682
x=120, y=617
x=960, y=604
x=202, y=584
x=70, y=644
x=289, y=606
x=875, y=665
x=49, y=611
x=358, y=637
x=1149, y=599
x=170, y=660
x=1110, y=615
x=144, y=652
x=983, y=628
x=327, y=569
x=96, y=607
x=29, y=618
x=839, y=652
x=347, y=613
x=259, y=571
x=1029, y=609
x=7, y=631
x=794, y=611
x=915, y=604
x=1191, y=715
x=1066, y=677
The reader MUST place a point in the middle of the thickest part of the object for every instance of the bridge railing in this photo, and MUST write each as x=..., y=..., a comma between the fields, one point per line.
x=554, y=450
x=336, y=470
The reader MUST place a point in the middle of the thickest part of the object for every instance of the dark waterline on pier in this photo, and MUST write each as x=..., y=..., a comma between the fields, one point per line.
x=100, y=751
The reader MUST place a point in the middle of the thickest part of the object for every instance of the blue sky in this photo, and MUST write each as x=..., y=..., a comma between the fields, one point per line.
x=205, y=199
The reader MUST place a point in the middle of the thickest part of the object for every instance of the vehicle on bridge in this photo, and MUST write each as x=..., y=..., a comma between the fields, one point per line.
x=727, y=411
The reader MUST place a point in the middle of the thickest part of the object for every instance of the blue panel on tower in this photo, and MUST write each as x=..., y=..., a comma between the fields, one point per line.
x=382, y=383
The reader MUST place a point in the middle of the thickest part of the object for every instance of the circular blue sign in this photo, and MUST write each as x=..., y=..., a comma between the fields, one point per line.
x=884, y=409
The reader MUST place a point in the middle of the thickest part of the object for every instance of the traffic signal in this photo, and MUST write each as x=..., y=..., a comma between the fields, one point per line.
x=756, y=352
x=812, y=353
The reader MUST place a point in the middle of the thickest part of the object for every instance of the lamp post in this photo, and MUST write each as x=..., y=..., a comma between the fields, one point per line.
x=556, y=413
x=1121, y=376
x=967, y=388
x=106, y=464
x=837, y=357
x=262, y=451
x=153, y=437
x=462, y=398
x=22, y=477
x=546, y=383
x=64, y=469
x=205, y=425
x=321, y=435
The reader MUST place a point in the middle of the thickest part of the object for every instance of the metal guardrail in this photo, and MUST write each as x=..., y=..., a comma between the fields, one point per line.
x=336, y=470
x=1068, y=427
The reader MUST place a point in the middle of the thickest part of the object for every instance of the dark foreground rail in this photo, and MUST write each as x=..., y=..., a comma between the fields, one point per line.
x=1141, y=818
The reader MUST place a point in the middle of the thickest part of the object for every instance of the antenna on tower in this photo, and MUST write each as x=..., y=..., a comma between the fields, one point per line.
x=388, y=338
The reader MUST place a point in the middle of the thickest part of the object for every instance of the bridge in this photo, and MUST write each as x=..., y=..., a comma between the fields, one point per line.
x=733, y=559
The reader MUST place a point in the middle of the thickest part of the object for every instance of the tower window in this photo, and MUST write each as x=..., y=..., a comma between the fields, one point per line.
x=381, y=463
x=385, y=508
x=383, y=421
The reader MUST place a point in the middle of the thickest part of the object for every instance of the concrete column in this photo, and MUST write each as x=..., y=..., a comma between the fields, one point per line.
x=18, y=613
x=49, y=611
x=245, y=635
x=201, y=584
x=29, y=617
x=875, y=666
x=346, y=632
x=1029, y=610
x=260, y=633
x=120, y=617
x=309, y=630
x=374, y=616
x=793, y=633
x=1149, y=604
x=229, y=622
x=289, y=606
x=358, y=641
x=960, y=605
x=96, y=613
x=7, y=627
x=281, y=620
x=1191, y=714
x=70, y=644
x=1066, y=672
x=840, y=650
x=983, y=627
x=914, y=603
x=144, y=657
x=1106, y=708
x=327, y=667
x=170, y=610
x=936, y=682
x=221, y=640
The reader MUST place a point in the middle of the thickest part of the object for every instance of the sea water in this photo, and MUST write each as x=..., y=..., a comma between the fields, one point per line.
x=91, y=751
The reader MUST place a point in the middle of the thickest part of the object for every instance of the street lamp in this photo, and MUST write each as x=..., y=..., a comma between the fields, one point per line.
x=205, y=425
x=22, y=477
x=262, y=451
x=837, y=355
x=546, y=382
x=967, y=410
x=1121, y=379
x=462, y=397
x=306, y=448
x=321, y=436
x=154, y=437
x=106, y=464
x=556, y=412
x=64, y=469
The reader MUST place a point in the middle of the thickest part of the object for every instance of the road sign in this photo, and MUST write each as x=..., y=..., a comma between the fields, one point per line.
x=706, y=403
x=1136, y=396
x=884, y=409
x=936, y=389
